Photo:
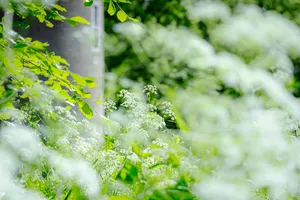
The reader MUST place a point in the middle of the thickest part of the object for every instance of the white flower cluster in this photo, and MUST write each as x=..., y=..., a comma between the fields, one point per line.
x=109, y=106
x=150, y=90
x=142, y=114
x=244, y=144
x=130, y=100
x=19, y=145
x=152, y=108
x=167, y=110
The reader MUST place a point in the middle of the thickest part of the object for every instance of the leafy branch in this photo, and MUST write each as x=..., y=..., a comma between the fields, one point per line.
x=112, y=9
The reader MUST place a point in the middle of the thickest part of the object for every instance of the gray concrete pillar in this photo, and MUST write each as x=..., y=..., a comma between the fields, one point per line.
x=80, y=46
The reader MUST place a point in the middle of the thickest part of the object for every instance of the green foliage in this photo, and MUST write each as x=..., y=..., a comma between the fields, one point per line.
x=31, y=58
x=88, y=2
x=128, y=174
x=73, y=21
x=147, y=68
x=218, y=124
x=38, y=90
x=226, y=54
x=113, y=6
x=121, y=15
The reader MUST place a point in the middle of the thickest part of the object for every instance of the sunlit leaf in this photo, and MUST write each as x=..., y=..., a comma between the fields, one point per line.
x=111, y=8
x=79, y=20
x=133, y=19
x=90, y=82
x=59, y=8
x=173, y=160
x=121, y=15
x=4, y=116
x=49, y=24
x=129, y=172
x=85, y=109
x=78, y=79
x=88, y=3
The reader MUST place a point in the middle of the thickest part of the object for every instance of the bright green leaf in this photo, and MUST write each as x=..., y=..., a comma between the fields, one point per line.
x=59, y=8
x=86, y=95
x=79, y=20
x=85, y=109
x=91, y=85
x=49, y=24
x=79, y=79
x=41, y=18
x=129, y=173
x=90, y=82
x=122, y=16
x=60, y=60
x=173, y=160
x=57, y=87
x=72, y=23
x=111, y=8
x=133, y=19
x=4, y=116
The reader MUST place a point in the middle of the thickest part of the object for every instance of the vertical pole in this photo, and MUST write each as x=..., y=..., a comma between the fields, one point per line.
x=97, y=23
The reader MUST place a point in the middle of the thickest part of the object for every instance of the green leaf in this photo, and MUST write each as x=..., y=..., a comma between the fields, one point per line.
x=91, y=85
x=57, y=87
x=90, y=82
x=60, y=60
x=129, y=173
x=4, y=116
x=78, y=79
x=72, y=23
x=133, y=19
x=41, y=18
x=59, y=8
x=86, y=95
x=21, y=25
x=111, y=8
x=122, y=16
x=77, y=193
x=85, y=109
x=20, y=45
x=38, y=45
x=49, y=24
x=123, y=1
x=173, y=160
x=8, y=95
x=98, y=100
x=88, y=3
x=79, y=20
